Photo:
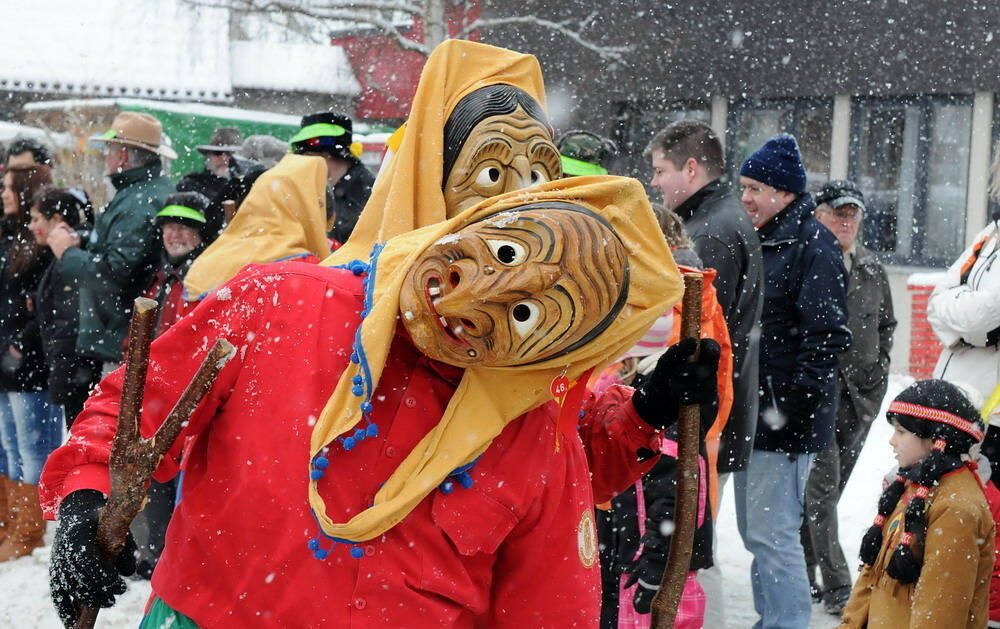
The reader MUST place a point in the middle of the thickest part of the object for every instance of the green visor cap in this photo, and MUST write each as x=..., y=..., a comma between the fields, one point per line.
x=317, y=130
x=577, y=168
x=181, y=211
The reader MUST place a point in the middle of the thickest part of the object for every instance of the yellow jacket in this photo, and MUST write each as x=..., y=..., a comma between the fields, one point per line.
x=954, y=585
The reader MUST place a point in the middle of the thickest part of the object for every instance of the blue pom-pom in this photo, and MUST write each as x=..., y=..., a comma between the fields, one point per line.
x=357, y=552
x=355, y=358
x=372, y=430
x=365, y=313
x=465, y=480
x=322, y=553
x=349, y=443
x=447, y=487
x=360, y=434
x=313, y=544
x=358, y=379
x=358, y=390
x=367, y=408
x=582, y=413
x=321, y=462
x=316, y=474
x=357, y=267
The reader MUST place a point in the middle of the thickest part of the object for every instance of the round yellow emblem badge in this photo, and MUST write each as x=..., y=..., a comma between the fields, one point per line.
x=586, y=539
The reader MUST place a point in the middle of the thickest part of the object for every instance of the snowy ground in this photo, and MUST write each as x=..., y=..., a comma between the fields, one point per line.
x=25, y=603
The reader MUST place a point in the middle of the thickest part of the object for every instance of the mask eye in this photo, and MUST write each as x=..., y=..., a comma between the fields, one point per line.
x=525, y=317
x=537, y=176
x=488, y=176
x=508, y=252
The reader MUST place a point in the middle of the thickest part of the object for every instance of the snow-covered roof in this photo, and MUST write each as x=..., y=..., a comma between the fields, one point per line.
x=152, y=49
x=161, y=49
x=11, y=130
x=280, y=66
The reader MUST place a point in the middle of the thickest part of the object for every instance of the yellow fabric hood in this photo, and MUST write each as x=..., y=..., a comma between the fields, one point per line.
x=283, y=216
x=489, y=398
x=407, y=194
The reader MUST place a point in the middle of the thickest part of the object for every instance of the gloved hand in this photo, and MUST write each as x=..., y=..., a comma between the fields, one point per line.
x=799, y=402
x=675, y=382
x=78, y=573
x=642, y=599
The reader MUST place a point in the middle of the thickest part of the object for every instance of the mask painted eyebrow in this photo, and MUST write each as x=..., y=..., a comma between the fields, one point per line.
x=493, y=147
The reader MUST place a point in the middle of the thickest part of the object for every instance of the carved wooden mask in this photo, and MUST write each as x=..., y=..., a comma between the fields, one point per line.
x=502, y=153
x=518, y=287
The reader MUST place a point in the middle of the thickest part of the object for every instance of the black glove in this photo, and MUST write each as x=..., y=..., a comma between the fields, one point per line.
x=78, y=573
x=642, y=600
x=799, y=402
x=675, y=382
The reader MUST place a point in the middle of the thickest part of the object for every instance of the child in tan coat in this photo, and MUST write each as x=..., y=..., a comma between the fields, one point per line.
x=929, y=554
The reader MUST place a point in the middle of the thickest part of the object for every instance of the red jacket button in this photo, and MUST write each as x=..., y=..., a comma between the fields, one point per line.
x=369, y=550
x=390, y=452
x=359, y=603
x=410, y=402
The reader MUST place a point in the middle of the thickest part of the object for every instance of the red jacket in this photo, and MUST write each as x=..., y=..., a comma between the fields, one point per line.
x=517, y=549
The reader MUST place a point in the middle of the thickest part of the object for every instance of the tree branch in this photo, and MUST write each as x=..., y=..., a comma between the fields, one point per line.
x=352, y=13
x=614, y=53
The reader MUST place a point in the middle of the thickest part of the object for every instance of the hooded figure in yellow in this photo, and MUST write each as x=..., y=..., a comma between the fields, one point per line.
x=477, y=128
x=283, y=218
x=400, y=443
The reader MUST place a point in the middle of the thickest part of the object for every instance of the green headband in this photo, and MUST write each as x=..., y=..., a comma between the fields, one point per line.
x=577, y=167
x=317, y=130
x=181, y=211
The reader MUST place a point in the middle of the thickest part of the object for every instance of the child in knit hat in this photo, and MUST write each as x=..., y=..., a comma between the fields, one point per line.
x=929, y=553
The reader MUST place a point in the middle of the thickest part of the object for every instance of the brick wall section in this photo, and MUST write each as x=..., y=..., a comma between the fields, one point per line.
x=924, y=344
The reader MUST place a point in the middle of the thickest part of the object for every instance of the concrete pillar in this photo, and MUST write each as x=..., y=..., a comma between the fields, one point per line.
x=979, y=164
x=840, y=137
x=720, y=114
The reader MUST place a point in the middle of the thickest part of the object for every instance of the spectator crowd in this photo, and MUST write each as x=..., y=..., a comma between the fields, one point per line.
x=801, y=309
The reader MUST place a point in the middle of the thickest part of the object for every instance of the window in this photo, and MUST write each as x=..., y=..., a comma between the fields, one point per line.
x=637, y=123
x=751, y=123
x=910, y=157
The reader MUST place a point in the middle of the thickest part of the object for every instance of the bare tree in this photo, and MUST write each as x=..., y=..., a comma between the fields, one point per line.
x=387, y=16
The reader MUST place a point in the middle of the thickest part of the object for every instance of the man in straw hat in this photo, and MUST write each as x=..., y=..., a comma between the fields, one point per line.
x=112, y=267
x=471, y=490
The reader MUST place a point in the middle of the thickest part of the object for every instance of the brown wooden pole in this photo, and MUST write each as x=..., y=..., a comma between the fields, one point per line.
x=133, y=458
x=228, y=211
x=667, y=599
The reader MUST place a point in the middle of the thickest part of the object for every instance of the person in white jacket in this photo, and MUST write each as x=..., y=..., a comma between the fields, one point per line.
x=964, y=311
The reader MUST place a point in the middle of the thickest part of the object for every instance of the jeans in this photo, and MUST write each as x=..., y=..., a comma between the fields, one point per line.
x=30, y=429
x=770, y=497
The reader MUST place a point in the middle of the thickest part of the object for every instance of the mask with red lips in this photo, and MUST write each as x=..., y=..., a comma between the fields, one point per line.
x=519, y=287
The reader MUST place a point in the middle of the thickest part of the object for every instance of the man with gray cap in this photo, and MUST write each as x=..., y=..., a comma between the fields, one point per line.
x=219, y=160
x=862, y=378
x=113, y=266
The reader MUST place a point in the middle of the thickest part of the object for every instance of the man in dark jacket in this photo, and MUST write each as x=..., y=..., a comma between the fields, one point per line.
x=803, y=333
x=329, y=135
x=862, y=378
x=121, y=251
x=687, y=166
x=688, y=163
x=226, y=177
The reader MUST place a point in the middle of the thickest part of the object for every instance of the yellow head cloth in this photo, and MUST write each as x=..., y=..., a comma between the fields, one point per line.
x=488, y=398
x=407, y=194
x=284, y=215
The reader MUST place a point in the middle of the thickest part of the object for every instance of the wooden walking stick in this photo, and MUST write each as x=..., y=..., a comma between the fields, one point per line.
x=667, y=599
x=133, y=458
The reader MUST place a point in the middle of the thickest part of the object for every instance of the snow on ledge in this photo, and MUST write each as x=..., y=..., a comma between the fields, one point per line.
x=292, y=67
